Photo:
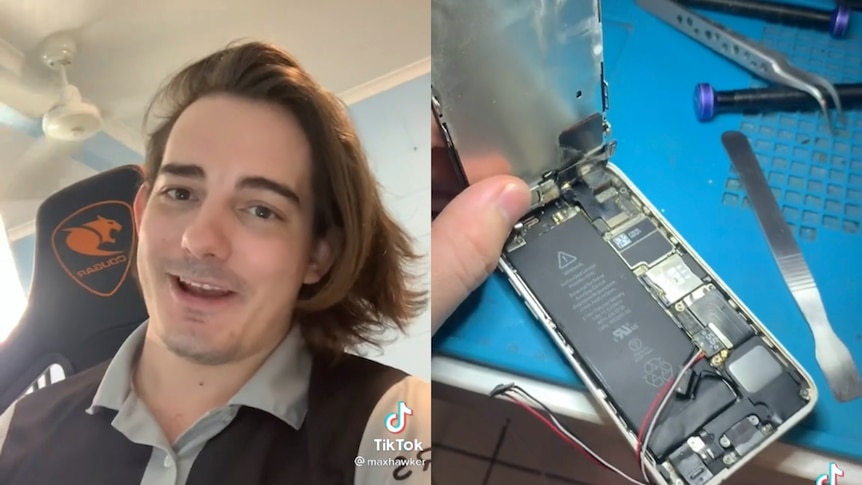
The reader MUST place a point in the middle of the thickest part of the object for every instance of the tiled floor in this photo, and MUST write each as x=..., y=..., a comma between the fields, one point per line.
x=483, y=441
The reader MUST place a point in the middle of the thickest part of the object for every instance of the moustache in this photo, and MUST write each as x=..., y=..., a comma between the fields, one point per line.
x=209, y=272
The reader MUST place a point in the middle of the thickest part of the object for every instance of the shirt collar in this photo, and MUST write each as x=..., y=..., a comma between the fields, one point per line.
x=279, y=387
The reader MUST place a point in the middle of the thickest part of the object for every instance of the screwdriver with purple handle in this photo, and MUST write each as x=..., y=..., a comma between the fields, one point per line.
x=708, y=102
x=836, y=22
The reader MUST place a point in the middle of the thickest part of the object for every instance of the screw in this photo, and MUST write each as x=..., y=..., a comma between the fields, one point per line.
x=753, y=420
x=728, y=459
x=724, y=441
x=680, y=307
x=804, y=394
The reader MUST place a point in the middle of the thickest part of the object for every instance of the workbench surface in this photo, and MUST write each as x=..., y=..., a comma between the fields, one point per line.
x=680, y=165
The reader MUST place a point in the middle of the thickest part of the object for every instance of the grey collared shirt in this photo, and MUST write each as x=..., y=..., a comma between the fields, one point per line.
x=279, y=387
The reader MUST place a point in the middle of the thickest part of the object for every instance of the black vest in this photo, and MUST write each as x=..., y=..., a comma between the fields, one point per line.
x=51, y=440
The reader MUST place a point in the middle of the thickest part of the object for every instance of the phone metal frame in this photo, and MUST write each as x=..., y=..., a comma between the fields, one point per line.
x=529, y=299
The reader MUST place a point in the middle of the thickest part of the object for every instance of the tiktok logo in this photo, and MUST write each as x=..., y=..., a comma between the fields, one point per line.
x=830, y=477
x=397, y=421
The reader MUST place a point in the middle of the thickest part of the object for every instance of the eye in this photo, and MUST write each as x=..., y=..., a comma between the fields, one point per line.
x=262, y=212
x=177, y=193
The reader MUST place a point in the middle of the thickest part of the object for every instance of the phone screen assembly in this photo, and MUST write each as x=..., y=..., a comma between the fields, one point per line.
x=642, y=319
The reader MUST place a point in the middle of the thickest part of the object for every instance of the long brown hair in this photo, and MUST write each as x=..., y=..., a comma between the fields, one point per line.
x=371, y=286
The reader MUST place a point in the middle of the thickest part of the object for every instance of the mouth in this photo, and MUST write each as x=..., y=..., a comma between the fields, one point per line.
x=196, y=290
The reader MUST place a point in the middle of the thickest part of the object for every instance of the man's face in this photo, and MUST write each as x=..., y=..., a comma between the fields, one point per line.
x=225, y=233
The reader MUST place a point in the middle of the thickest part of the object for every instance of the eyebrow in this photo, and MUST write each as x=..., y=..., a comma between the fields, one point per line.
x=188, y=170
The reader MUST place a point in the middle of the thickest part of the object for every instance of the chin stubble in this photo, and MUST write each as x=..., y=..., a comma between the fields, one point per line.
x=193, y=348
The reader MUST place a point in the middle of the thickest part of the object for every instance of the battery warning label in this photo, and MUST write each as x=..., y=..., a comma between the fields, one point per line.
x=564, y=260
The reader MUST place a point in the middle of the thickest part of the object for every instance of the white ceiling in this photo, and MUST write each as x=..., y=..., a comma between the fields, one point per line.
x=126, y=48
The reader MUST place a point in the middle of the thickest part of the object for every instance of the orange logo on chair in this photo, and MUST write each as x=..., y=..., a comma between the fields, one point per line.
x=89, y=238
x=93, y=245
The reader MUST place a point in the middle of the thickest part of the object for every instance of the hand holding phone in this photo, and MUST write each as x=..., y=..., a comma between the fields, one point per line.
x=470, y=223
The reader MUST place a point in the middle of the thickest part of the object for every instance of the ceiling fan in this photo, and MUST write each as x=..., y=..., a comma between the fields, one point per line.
x=67, y=121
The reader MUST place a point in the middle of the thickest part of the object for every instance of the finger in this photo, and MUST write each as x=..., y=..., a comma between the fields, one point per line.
x=467, y=239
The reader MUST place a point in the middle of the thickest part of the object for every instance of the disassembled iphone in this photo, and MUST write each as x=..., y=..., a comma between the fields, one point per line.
x=650, y=328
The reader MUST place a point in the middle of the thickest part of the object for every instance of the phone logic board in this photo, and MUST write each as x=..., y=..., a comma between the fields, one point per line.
x=631, y=306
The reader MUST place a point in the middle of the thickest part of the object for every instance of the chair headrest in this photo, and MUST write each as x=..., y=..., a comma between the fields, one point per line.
x=83, y=302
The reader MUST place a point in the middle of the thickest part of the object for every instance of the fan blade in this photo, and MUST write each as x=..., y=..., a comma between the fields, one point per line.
x=25, y=99
x=39, y=171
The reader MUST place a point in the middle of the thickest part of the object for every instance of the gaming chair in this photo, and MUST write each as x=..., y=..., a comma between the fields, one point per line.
x=83, y=299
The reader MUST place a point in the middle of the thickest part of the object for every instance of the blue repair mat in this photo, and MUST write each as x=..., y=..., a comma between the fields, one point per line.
x=680, y=165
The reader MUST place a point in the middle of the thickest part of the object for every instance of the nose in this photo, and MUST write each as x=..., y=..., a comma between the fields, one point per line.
x=206, y=236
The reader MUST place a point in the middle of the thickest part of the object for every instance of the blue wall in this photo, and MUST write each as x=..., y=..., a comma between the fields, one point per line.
x=24, y=251
x=395, y=129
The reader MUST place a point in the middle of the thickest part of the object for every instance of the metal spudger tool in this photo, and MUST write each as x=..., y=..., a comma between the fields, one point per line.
x=832, y=355
x=760, y=60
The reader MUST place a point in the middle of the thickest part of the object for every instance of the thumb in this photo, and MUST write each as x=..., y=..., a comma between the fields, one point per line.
x=467, y=239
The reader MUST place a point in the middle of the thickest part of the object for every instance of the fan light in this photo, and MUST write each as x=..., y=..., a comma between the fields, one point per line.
x=72, y=122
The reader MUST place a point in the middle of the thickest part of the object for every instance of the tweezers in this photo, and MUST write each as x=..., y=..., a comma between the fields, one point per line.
x=756, y=58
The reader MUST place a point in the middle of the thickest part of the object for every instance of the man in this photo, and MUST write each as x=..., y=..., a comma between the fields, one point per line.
x=264, y=255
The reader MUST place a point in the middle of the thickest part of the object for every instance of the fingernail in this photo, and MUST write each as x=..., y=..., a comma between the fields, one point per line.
x=513, y=201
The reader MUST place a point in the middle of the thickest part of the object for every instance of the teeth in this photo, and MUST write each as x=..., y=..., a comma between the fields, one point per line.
x=202, y=286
